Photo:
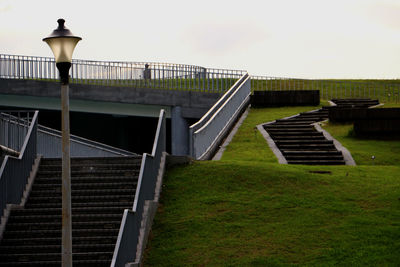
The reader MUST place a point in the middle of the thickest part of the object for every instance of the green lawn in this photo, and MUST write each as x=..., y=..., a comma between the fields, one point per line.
x=248, y=210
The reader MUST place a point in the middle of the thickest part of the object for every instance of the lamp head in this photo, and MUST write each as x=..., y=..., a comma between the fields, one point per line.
x=62, y=42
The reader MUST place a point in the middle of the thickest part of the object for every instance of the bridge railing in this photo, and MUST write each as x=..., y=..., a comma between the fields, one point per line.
x=114, y=73
x=14, y=170
x=384, y=90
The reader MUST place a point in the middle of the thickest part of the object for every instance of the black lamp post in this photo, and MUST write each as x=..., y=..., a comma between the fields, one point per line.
x=62, y=42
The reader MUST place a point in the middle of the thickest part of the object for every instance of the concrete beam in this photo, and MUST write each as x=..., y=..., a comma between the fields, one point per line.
x=192, y=103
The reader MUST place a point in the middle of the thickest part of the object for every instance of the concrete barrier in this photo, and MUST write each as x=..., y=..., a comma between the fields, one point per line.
x=285, y=98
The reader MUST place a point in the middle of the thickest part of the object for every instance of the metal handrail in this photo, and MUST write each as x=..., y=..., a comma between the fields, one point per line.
x=118, y=73
x=14, y=171
x=126, y=248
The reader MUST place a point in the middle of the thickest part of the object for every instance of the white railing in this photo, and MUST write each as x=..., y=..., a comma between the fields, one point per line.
x=205, y=135
x=117, y=73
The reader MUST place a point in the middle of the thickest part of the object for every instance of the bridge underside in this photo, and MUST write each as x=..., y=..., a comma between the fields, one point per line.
x=88, y=106
x=119, y=106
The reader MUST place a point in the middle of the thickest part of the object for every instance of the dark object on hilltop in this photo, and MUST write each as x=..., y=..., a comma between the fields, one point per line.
x=285, y=98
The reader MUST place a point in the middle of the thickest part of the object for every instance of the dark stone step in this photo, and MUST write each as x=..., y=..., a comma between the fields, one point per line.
x=77, y=263
x=77, y=240
x=76, y=248
x=291, y=134
x=126, y=198
x=310, y=152
x=317, y=162
x=8, y=235
x=35, y=226
x=307, y=147
x=9, y=258
x=84, y=186
x=57, y=211
x=313, y=157
x=295, y=122
x=91, y=167
x=303, y=142
x=57, y=218
x=290, y=130
x=98, y=160
x=77, y=180
x=87, y=192
x=103, y=173
x=297, y=137
x=281, y=126
x=76, y=205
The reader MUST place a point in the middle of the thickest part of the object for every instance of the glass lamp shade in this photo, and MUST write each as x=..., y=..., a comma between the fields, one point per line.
x=62, y=42
x=62, y=47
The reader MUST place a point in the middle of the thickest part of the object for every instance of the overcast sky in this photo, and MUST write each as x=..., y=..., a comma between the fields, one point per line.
x=290, y=38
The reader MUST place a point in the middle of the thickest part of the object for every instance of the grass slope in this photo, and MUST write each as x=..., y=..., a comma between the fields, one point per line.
x=248, y=210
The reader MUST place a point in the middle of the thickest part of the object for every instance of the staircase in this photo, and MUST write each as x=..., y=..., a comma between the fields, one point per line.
x=300, y=143
x=101, y=189
x=355, y=102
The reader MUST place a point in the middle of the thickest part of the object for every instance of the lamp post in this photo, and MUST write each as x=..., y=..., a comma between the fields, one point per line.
x=62, y=42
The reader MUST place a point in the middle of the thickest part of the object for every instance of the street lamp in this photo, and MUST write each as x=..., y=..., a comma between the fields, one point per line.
x=62, y=42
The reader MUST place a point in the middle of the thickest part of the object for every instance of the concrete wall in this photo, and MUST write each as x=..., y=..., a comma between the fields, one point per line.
x=285, y=98
x=378, y=127
x=376, y=122
x=193, y=104
x=339, y=114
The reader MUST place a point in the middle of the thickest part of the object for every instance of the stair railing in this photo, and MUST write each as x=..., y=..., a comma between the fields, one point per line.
x=206, y=134
x=128, y=248
x=14, y=171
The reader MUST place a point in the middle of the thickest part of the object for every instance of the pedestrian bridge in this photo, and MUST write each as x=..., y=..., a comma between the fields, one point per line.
x=185, y=92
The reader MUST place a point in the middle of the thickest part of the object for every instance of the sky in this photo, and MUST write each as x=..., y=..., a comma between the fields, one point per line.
x=280, y=38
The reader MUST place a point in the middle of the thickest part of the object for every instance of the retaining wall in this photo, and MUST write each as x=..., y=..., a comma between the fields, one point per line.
x=285, y=98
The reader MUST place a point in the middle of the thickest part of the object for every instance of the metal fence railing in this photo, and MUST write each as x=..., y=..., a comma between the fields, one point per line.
x=14, y=171
x=187, y=77
x=129, y=234
x=113, y=73
x=384, y=90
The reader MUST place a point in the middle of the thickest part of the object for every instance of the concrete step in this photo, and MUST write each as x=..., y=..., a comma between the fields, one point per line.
x=86, y=161
x=290, y=129
x=80, y=193
x=303, y=142
x=287, y=134
x=313, y=157
x=57, y=211
x=91, y=167
x=78, y=199
x=307, y=147
x=77, y=263
x=77, y=240
x=317, y=162
x=287, y=152
x=103, y=173
x=83, y=186
x=77, y=248
x=57, y=218
x=9, y=235
x=78, y=204
x=35, y=226
x=20, y=257
x=297, y=137
x=77, y=180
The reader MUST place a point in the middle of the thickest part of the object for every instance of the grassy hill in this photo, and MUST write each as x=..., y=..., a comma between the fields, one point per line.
x=248, y=210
